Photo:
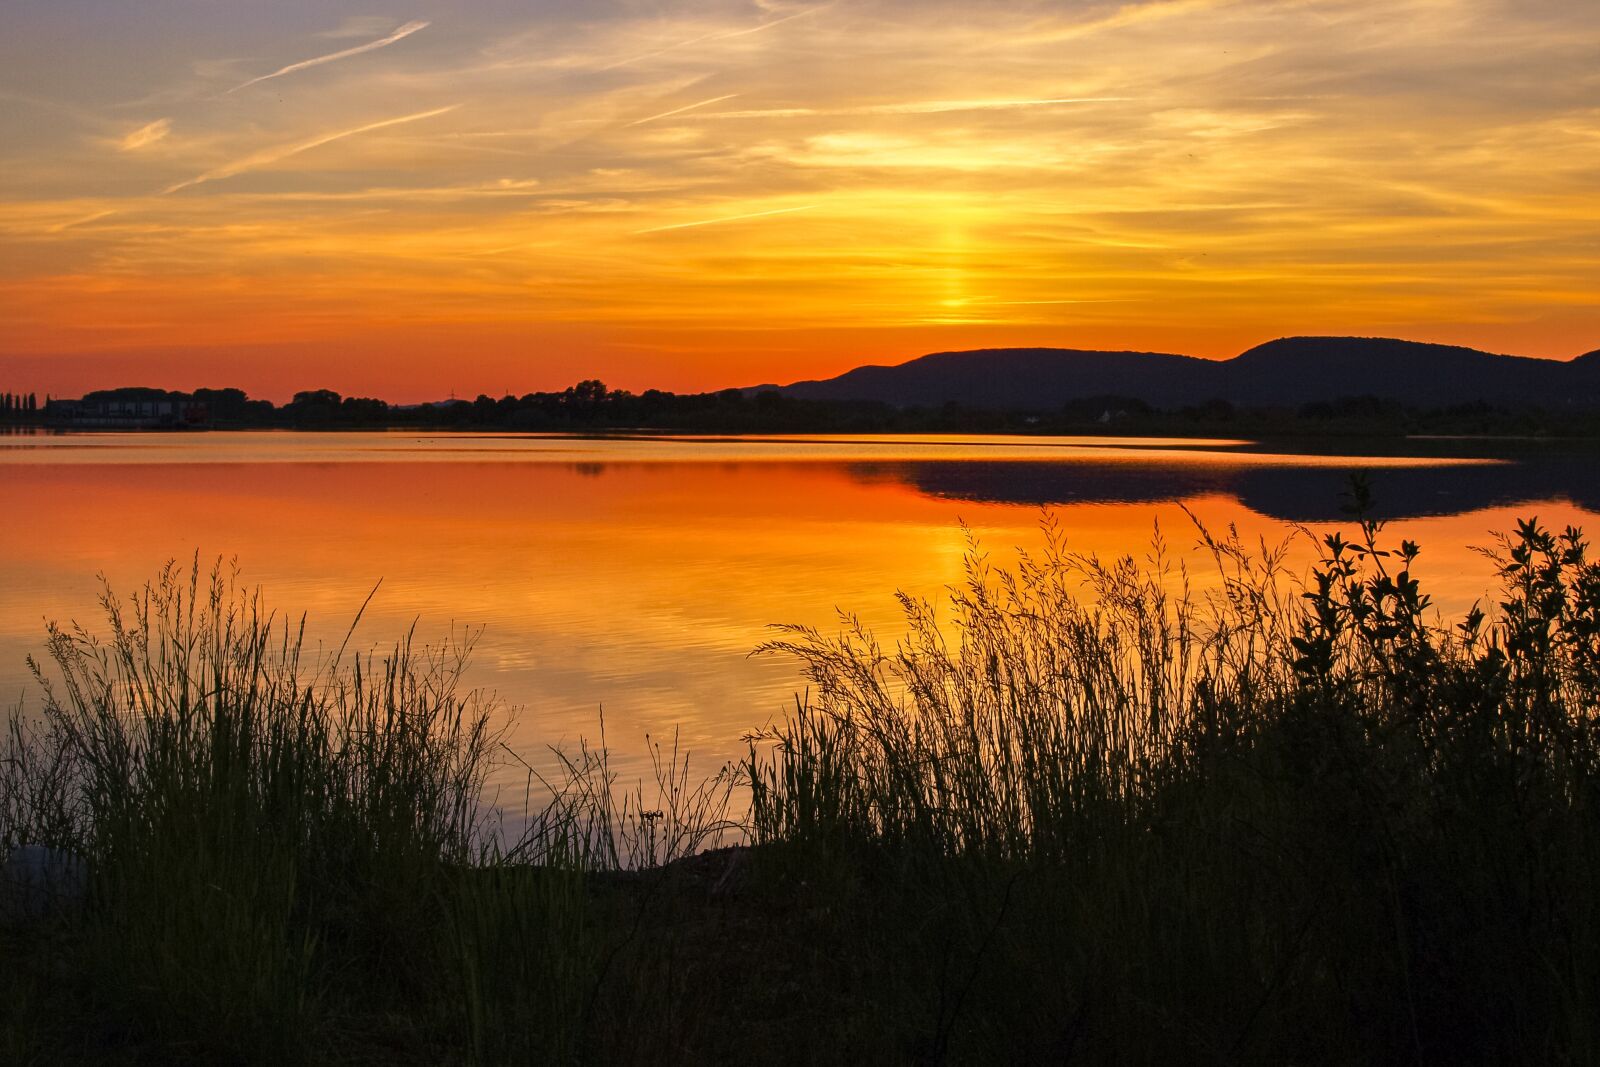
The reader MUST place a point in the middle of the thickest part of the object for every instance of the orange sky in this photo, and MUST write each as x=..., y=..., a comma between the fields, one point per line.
x=491, y=196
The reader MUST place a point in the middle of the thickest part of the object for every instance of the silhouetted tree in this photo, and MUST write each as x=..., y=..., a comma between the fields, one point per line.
x=364, y=410
x=313, y=406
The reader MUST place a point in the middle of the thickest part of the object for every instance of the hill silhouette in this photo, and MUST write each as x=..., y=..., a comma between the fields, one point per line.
x=1288, y=372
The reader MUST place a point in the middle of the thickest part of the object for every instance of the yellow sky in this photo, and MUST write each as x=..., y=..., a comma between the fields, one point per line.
x=498, y=195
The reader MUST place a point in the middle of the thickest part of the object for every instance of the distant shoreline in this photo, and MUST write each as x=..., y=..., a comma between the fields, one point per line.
x=1251, y=431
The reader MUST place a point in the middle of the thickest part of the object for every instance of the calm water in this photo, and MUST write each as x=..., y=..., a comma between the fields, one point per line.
x=636, y=574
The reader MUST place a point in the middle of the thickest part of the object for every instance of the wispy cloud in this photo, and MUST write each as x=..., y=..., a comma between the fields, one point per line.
x=725, y=218
x=505, y=187
x=915, y=107
x=685, y=107
x=1163, y=174
x=145, y=135
x=371, y=46
x=720, y=35
x=1130, y=15
x=273, y=155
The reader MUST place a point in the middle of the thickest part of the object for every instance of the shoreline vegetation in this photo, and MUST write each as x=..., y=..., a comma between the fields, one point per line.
x=1106, y=817
x=591, y=407
x=1293, y=386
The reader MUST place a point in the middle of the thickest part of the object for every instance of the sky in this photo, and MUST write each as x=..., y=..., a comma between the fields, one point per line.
x=506, y=196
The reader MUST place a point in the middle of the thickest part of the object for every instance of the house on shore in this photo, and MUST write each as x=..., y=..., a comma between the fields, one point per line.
x=129, y=409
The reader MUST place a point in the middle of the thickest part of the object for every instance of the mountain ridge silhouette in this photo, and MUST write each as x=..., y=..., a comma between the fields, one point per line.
x=1287, y=372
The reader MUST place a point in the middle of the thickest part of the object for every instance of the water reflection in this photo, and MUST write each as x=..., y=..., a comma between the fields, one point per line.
x=638, y=574
x=1298, y=492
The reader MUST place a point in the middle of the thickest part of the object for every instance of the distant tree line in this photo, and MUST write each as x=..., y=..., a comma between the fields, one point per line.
x=590, y=406
x=19, y=407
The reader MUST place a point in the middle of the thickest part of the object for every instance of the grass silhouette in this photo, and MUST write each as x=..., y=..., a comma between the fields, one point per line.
x=1095, y=814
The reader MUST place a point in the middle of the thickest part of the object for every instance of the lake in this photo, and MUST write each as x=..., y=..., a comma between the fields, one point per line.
x=635, y=574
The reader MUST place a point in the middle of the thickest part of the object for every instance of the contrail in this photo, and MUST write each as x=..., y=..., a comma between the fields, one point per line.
x=403, y=32
x=63, y=227
x=272, y=155
x=729, y=218
x=685, y=107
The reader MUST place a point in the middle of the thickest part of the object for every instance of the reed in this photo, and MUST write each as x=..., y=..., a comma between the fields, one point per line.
x=1288, y=819
x=290, y=850
x=1093, y=809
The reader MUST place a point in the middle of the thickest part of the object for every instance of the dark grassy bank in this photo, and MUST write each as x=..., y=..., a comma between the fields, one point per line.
x=1103, y=818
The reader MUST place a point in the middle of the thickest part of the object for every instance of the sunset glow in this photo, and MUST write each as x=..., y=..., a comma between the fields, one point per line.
x=495, y=197
x=603, y=574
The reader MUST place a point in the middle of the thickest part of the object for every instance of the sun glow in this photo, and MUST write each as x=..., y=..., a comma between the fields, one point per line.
x=729, y=193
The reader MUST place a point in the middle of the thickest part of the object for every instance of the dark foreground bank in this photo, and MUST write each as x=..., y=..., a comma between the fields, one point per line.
x=1115, y=821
